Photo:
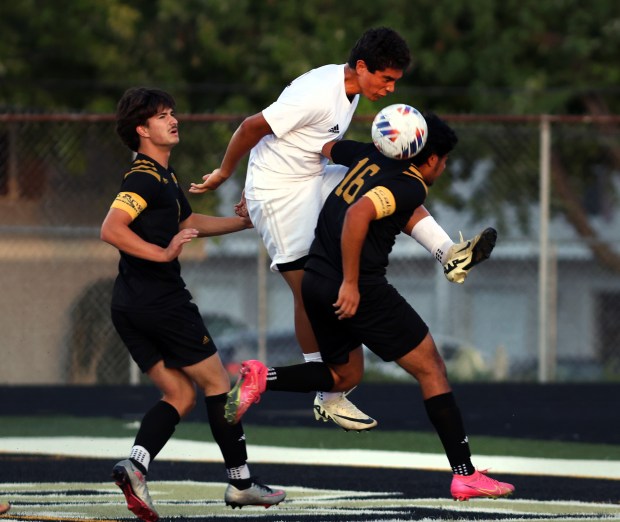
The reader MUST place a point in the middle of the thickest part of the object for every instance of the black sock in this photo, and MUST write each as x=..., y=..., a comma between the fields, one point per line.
x=306, y=377
x=445, y=415
x=156, y=428
x=229, y=437
x=241, y=483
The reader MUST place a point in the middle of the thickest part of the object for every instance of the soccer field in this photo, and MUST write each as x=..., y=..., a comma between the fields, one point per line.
x=62, y=474
x=565, y=465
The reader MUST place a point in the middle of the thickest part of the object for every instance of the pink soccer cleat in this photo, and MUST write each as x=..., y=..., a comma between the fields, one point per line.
x=251, y=383
x=479, y=485
x=133, y=485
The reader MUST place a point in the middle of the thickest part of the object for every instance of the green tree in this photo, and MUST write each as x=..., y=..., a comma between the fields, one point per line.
x=488, y=56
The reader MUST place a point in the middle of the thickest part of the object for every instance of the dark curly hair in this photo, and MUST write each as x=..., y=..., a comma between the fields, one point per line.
x=135, y=107
x=441, y=139
x=381, y=48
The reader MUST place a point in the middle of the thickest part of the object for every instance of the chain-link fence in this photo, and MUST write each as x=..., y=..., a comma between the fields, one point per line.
x=545, y=307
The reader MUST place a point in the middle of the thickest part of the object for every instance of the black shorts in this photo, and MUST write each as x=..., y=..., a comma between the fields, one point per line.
x=177, y=336
x=385, y=322
x=298, y=264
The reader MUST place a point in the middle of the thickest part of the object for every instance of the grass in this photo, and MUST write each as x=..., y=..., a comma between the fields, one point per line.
x=321, y=437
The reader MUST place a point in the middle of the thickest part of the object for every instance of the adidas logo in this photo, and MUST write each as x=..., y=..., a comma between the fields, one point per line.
x=335, y=129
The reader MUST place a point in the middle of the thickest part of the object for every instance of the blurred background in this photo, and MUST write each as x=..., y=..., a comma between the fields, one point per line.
x=532, y=88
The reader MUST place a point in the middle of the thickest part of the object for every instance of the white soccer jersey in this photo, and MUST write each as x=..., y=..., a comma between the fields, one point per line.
x=286, y=170
x=313, y=110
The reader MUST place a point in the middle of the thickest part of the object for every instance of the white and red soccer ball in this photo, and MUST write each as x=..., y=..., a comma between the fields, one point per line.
x=399, y=131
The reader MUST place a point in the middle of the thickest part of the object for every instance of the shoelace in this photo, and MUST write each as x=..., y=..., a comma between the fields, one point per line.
x=345, y=394
x=486, y=479
x=261, y=487
x=350, y=408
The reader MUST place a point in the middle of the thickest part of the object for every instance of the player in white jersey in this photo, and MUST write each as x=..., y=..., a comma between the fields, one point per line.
x=286, y=170
x=288, y=179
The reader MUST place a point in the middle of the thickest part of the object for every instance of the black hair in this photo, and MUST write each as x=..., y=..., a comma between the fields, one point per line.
x=441, y=139
x=135, y=107
x=381, y=48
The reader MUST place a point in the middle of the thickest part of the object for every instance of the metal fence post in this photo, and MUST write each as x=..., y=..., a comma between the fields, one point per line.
x=543, y=259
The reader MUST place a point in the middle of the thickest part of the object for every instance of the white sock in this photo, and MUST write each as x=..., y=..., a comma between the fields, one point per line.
x=324, y=396
x=432, y=237
x=240, y=472
x=316, y=357
x=139, y=454
x=313, y=357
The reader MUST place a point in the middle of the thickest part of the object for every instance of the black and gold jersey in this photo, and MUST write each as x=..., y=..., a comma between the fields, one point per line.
x=396, y=189
x=151, y=195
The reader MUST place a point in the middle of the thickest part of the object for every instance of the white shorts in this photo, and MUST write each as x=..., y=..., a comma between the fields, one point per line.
x=286, y=217
x=331, y=177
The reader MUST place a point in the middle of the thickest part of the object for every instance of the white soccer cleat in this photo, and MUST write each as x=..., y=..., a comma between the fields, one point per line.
x=343, y=412
x=463, y=256
x=256, y=495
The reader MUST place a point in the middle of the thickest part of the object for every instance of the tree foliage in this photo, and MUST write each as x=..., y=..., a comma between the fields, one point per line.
x=488, y=56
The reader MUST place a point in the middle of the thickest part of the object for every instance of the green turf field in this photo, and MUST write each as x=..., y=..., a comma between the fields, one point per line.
x=321, y=437
x=50, y=486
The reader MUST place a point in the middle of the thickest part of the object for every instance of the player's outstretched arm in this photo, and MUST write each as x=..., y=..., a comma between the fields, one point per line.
x=208, y=226
x=247, y=135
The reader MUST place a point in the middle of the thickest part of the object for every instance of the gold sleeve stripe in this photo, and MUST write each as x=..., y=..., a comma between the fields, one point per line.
x=383, y=200
x=152, y=172
x=144, y=162
x=130, y=202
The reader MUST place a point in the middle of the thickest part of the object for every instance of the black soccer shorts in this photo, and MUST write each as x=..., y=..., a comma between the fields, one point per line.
x=178, y=336
x=385, y=322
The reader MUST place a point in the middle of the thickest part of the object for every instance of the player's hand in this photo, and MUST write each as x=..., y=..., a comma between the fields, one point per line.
x=241, y=208
x=348, y=300
x=210, y=182
x=247, y=221
x=175, y=247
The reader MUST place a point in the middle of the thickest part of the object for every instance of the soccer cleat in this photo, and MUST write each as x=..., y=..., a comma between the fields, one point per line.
x=133, y=485
x=256, y=495
x=343, y=412
x=478, y=485
x=251, y=383
x=463, y=256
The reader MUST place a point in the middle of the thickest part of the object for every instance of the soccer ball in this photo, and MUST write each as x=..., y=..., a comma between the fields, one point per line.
x=399, y=131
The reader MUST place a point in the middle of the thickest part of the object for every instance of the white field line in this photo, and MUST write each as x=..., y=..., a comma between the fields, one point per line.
x=194, y=451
